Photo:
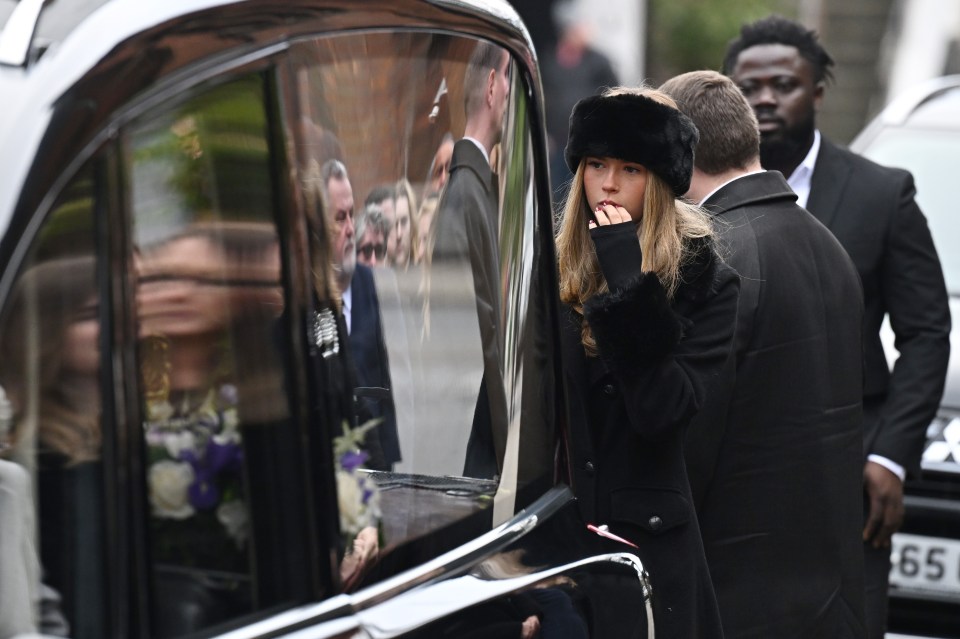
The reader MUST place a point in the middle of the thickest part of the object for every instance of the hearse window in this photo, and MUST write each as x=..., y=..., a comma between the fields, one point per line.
x=433, y=241
x=51, y=497
x=219, y=456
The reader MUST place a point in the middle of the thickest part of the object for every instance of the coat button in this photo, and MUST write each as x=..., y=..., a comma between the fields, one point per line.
x=610, y=389
x=655, y=522
x=589, y=467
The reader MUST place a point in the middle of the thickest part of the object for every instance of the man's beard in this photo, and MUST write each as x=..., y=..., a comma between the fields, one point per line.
x=344, y=269
x=785, y=149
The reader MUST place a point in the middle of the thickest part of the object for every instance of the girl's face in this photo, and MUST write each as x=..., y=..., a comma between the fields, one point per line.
x=183, y=288
x=615, y=182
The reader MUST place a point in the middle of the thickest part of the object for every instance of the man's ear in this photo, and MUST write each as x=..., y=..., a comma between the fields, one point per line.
x=491, y=83
x=818, y=95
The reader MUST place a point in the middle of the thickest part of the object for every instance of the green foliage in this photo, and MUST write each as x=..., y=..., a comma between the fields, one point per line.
x=208, y=155
x=688, y=35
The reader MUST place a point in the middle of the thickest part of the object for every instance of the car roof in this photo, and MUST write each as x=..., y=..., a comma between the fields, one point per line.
x=89, y=60
x=47, y=24
x=929, y=105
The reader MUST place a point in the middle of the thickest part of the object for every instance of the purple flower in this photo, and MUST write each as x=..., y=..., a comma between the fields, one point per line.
x=352, y=460
x=220, y=457
x=203, y=494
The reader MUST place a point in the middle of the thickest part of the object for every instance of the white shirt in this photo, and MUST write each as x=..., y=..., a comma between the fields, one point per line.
x=486, y=156
x=799, y=181
x=347, y=299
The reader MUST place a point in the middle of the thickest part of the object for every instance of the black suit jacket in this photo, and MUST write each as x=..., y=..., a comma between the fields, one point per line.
x=775, y=458
x=629, y=409
x=372, y=369
x=872, y=211
x=467, y=229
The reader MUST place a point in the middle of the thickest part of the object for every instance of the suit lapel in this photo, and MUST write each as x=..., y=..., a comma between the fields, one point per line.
x=830, y=176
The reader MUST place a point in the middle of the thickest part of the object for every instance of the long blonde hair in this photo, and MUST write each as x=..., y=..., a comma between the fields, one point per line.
x=665, y=230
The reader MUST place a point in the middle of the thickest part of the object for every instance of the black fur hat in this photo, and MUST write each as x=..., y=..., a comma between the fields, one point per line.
x=636, y=129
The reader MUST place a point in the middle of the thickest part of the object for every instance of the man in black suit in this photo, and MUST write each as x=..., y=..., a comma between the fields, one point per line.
x=361, y=313
x=467, y=228
x=781, y=68
x=774, y=458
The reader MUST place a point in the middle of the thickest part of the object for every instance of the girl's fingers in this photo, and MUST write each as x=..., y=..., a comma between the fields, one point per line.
x=602, y=216
x=609, y=214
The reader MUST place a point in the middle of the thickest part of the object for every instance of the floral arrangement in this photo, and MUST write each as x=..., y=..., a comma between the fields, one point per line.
x=357, y=493
x=195, y=459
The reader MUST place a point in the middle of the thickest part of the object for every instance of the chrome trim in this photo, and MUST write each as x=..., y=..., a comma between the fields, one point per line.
x=644, y=578
x=336, y=611
x=431, y=603
x=934, y=504
x=428, y=604
x=17, y=35
x=450, y=564
x=460, y=560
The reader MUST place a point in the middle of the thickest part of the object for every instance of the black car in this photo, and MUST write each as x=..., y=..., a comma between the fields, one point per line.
x=185, y=450
x=920, y=132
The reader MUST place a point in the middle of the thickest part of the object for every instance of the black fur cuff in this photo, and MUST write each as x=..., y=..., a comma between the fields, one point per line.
x=634, y=326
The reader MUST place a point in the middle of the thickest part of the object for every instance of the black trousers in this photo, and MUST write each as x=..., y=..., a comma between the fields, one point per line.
x=876, y=580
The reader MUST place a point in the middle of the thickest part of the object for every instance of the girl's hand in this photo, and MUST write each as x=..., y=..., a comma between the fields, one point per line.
x=359, y=557
x=607, y=213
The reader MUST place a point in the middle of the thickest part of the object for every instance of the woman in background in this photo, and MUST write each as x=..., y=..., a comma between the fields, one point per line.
x=404, y=233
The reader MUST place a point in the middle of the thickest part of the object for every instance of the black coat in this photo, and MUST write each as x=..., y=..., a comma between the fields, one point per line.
x=872, y=211
x=629, y=410
x=467, y=229
x=775, y=458
x=372, y=369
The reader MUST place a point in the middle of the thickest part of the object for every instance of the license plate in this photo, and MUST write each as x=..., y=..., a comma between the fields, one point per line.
x=926, y=567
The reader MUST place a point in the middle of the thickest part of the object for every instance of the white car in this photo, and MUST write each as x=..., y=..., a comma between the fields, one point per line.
x=920, y=132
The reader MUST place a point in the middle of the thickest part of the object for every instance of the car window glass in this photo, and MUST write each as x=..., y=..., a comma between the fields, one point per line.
x=929, y=155
x=216, y=429
x=417, y=148
x=51, y=473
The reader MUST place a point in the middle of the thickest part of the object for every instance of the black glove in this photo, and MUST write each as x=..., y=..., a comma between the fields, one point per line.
x=619, y=254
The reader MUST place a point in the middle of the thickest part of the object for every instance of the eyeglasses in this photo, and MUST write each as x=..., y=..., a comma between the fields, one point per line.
x=372, y=249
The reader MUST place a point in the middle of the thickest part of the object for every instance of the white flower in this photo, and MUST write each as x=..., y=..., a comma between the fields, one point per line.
x=159, y=411
x=349, y=500
x=355, y=515
x=168, y=482
x=235, y=518
x=177, y=442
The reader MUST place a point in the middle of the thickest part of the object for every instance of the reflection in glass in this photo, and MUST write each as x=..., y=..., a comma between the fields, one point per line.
x=49, y=375
x=390, y=108
x=207, y=268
